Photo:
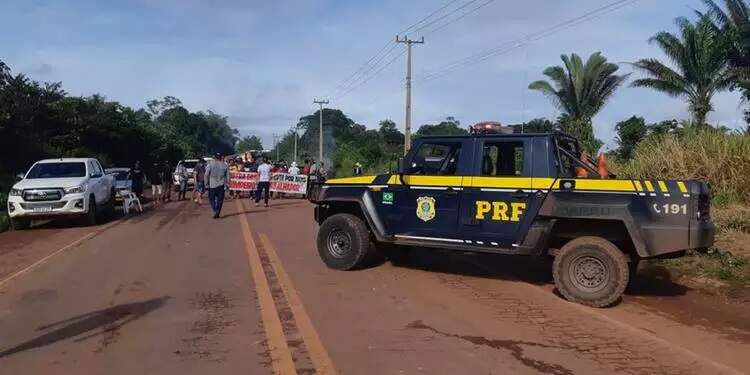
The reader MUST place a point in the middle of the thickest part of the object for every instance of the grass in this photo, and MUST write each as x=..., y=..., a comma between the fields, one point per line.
x=722, y=160
x=714, y=265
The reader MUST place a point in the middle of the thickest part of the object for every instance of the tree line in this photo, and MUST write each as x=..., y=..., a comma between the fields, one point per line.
x=43, y=121
x=707, y=55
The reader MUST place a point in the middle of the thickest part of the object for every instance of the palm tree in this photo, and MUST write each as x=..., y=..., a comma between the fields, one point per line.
x=734, y=23
x=580, y=91
x=699, y=57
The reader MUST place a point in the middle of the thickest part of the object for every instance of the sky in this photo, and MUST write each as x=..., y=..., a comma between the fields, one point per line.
x=262, y=63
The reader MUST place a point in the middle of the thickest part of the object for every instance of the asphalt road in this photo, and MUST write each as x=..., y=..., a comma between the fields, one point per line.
x=173, y=291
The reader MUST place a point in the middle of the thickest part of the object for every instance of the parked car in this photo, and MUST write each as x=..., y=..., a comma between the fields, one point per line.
x=61, y=188
x=122, y=182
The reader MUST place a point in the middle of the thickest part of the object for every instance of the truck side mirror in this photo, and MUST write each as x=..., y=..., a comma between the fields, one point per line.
x=19, y=177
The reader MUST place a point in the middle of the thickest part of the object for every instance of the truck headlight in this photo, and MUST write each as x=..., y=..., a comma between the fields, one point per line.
x=15, y=192
x=76, y=189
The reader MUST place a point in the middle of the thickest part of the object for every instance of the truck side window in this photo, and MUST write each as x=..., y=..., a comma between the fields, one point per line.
x=436, y=159
x=502, y=159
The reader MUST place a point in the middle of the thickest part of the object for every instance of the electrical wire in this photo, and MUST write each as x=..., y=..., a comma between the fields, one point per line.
x=512, y=45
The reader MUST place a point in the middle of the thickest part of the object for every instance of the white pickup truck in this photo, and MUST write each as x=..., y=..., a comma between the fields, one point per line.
x=62, y=188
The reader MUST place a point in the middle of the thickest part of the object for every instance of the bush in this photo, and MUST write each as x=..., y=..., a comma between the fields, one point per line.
x=720, y=159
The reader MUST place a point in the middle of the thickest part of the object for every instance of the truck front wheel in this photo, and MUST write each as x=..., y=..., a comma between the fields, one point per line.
x=591, y=271
x=20, y=224
x=92, y=215
x=344, y=242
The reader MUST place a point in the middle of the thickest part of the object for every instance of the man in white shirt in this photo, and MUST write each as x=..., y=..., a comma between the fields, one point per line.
x=294, y=169
x=264, y=182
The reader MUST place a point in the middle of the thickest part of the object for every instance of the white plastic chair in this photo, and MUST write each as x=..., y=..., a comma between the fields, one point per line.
x=130, y=199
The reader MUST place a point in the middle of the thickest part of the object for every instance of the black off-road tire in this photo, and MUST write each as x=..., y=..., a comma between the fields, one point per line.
x=20, y=224
x=591, y=271
x=344, y=242
x=92, y=216
x=109, y=211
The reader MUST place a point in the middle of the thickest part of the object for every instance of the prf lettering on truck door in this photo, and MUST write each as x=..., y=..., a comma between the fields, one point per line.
x=500, y=211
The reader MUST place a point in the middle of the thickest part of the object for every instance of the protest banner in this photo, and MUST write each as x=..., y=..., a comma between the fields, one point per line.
x=243, y=181
x=280, y=182
x=289, y=183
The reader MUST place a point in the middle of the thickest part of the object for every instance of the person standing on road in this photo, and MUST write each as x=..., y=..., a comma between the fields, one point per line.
x=321, y=172
x=136, y=177
x=264, y=182
x=166, y=182
x=200, y=185
x=182, y=179
x=357, y=169
x=217, y=181
x=154, y=178
x=294, y=169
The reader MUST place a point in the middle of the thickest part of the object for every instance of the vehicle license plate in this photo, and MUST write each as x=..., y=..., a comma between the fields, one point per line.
x=43, y=209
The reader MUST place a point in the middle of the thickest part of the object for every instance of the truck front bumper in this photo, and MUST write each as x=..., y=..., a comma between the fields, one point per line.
x=69, y=205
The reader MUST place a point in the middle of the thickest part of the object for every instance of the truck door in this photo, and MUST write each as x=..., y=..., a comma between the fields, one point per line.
x=95, y=179
x=496, y=200
x=433, y=189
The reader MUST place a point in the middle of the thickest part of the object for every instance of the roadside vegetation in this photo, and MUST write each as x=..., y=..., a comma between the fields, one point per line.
x=41, y=120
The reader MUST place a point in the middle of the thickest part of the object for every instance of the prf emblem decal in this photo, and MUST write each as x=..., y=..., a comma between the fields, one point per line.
x=426, y=208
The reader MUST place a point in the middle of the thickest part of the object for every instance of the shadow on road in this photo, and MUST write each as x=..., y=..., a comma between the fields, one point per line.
x=108, y=319
x=649, y=281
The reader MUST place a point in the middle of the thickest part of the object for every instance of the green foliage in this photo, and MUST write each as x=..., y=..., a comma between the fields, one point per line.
x=583, y=130
x=580, y=91
x=537, y=125
x=40, y=120
x=450, y=126
x=701, y=68
x=721, y=159
x=249, y=143
x=733, y=23
x=629, y=133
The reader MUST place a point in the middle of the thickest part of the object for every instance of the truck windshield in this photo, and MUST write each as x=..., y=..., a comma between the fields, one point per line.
x=57, y=170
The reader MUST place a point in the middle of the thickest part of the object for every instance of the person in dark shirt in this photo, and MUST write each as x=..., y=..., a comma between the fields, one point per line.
x=154, y=178
x=166, y=181
x=200, y=185
x=136, y=177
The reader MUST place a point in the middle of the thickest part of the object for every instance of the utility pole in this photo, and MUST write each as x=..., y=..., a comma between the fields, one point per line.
x=295, y=144
x=276, y=144
x=407, y=126
x=320, y=143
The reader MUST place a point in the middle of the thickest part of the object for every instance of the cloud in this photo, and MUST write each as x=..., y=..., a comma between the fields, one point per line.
x=262, y=63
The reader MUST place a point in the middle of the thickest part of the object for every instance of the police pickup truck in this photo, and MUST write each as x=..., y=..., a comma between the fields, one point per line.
x=515, y=194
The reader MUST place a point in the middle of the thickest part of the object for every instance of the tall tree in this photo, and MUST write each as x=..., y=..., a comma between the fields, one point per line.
x=700, y=66
x=629, y=133
x=449, y=126
x=580, y=91
x=734, y=24
x=249, y=143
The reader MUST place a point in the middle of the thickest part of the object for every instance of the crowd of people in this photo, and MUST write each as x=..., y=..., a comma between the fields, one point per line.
x=212, y=178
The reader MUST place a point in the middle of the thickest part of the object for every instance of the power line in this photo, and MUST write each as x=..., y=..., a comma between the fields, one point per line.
x=364, y=66
x=438, y=28
x=445, y=15
x=512, y=45
x=360, y=76
x=372, y=76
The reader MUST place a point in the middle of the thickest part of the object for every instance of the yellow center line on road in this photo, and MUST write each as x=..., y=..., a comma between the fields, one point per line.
x=315, y=348
x=281, y=357
x=58, y=251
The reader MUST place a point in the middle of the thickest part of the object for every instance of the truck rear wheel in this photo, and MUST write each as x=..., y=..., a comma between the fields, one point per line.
x=344, y=242
x=591, y=271
x=20, y=224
